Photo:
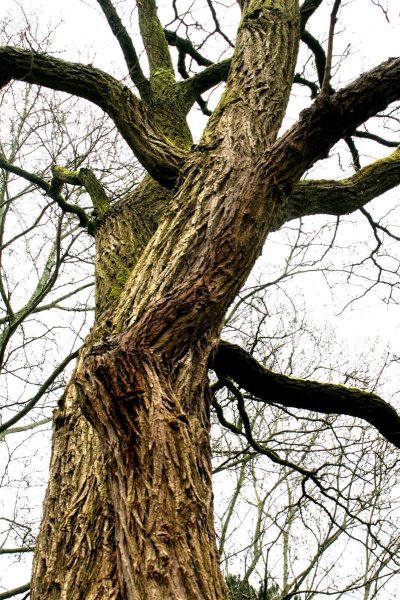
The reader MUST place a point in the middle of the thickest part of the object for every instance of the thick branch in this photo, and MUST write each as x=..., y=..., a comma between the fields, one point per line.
x=156, y=45
x=80, y=80
x=161, y=159
x=307, y=9
x=87, y=179
x=234, y=362
x=346, y=196
x=327, y=121
x=127, y=48
x=192, y=88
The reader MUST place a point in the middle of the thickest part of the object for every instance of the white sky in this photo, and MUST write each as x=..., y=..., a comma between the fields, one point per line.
x=84, y=35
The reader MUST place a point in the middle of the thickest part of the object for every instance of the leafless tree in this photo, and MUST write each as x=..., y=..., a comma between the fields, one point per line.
x=128, y=511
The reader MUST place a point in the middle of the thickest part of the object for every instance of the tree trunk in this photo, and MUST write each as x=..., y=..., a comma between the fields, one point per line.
x=120, y=536
x=128, y=513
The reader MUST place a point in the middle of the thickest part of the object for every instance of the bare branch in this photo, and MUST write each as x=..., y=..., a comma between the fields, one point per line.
x=27, y=427
x=87, y=179
x=307, y=9
x=16, y=550
x=15, y=591
x=193, y=87
x=328, y=65
x=318, y=51
x=376, y=138
x=42, y=390
x=187, y=47
x=127, y=48
x=232, y=361
x=53, y=192
x=346, y=196
x=328, y=120
x=161, y=159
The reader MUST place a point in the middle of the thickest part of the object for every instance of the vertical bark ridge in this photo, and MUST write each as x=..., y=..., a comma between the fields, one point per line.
x=75, y=551
x=218, y=207
x=144, y=389
x=160, y=472
x=121, y=238
x=69, y=564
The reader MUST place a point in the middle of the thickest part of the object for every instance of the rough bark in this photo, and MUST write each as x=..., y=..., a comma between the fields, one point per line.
x=75, y=556
x=128, y=513
x=145, y=388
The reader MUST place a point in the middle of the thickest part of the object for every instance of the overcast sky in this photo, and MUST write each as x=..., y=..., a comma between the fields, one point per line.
x=364, y=37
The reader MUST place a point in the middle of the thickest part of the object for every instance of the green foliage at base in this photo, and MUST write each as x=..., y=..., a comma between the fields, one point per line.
x=240, y=589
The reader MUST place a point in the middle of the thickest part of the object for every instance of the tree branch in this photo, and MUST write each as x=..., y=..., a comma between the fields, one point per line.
x=346, y=196
x=328, y=120
x=15, y=591
x=376, y=138
x=156, y=45
x=232, y=361
x=187, y=47
x=307, y=9
x=192, y=88
x=53, y=192
x=310, y=84
x=127, y=48
x=248, y=433
x=16, y=550
x=161, y=159
x=27, y=427
x=318, y=51
x=87, y=179
x=41, y=391
x=325, y=86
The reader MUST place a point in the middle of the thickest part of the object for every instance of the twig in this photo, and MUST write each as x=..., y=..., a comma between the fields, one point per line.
x=328, y=64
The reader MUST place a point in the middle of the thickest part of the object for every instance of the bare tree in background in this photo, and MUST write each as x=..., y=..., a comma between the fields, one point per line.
x=128, y=510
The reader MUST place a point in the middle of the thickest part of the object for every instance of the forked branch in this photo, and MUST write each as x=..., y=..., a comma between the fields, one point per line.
x=127, y=47
x=328, y=120
x=161, y=159
x=53, y=191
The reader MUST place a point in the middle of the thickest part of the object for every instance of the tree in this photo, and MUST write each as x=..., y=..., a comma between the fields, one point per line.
x=128, y=511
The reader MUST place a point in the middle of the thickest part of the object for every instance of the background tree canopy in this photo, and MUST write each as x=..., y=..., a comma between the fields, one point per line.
x=199, y=279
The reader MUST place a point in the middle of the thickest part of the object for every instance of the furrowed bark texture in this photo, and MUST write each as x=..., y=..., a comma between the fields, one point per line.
x=144, y=386
x=140, y=524
x=75, y=556
x=75, y=551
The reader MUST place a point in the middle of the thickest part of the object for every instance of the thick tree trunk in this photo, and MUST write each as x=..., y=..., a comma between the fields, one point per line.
x=131, y=519
x=156, y=442
x=129, y=510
